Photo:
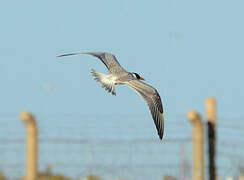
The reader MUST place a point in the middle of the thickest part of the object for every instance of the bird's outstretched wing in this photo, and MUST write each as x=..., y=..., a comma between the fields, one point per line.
x=153, y=100
x=108, y=60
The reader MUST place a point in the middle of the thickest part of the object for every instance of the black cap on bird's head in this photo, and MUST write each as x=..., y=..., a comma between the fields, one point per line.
x=137, y=76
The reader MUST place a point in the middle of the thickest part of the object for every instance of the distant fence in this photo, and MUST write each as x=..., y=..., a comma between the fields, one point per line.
x=78, y=145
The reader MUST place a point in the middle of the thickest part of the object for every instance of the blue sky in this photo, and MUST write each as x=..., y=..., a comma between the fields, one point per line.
x=188, y=50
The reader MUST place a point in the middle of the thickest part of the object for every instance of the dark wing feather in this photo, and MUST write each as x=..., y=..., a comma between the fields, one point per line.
x=153, y=100
x=109, y=60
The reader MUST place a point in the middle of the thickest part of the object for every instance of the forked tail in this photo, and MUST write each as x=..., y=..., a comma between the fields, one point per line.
x=105, y=81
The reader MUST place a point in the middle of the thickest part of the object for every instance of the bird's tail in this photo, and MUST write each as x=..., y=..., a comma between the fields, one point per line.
x=105, y=81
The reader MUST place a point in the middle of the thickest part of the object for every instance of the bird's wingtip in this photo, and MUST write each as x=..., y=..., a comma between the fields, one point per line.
x=88, y=53
x=70, y=54
x=162, y=134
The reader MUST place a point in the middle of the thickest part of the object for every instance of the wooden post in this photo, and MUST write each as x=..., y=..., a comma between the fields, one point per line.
x=211, y=121
x=31, y=145
x=197, y=141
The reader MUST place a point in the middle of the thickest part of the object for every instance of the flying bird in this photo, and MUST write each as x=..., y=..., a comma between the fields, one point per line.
x=118, y=75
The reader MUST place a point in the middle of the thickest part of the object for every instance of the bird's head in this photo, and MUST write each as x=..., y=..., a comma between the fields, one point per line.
x=137, y=76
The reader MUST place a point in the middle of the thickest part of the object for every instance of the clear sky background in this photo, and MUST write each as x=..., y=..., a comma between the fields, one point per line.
x=188, y=50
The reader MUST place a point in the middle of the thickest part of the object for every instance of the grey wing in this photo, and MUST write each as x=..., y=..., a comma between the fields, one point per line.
x=109, y=60
x=153, y=100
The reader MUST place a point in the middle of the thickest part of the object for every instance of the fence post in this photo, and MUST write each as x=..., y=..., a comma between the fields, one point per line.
x=31, y=145
x=197, y=141
x=211, y=121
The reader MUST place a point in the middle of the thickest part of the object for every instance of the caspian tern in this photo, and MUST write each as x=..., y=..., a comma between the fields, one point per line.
x=118, y=75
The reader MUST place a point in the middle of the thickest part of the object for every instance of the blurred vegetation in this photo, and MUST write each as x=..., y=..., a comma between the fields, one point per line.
x=2, y=177
x=48, y=175
x=169, y=178
x=52, y=177
x=92, y=177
